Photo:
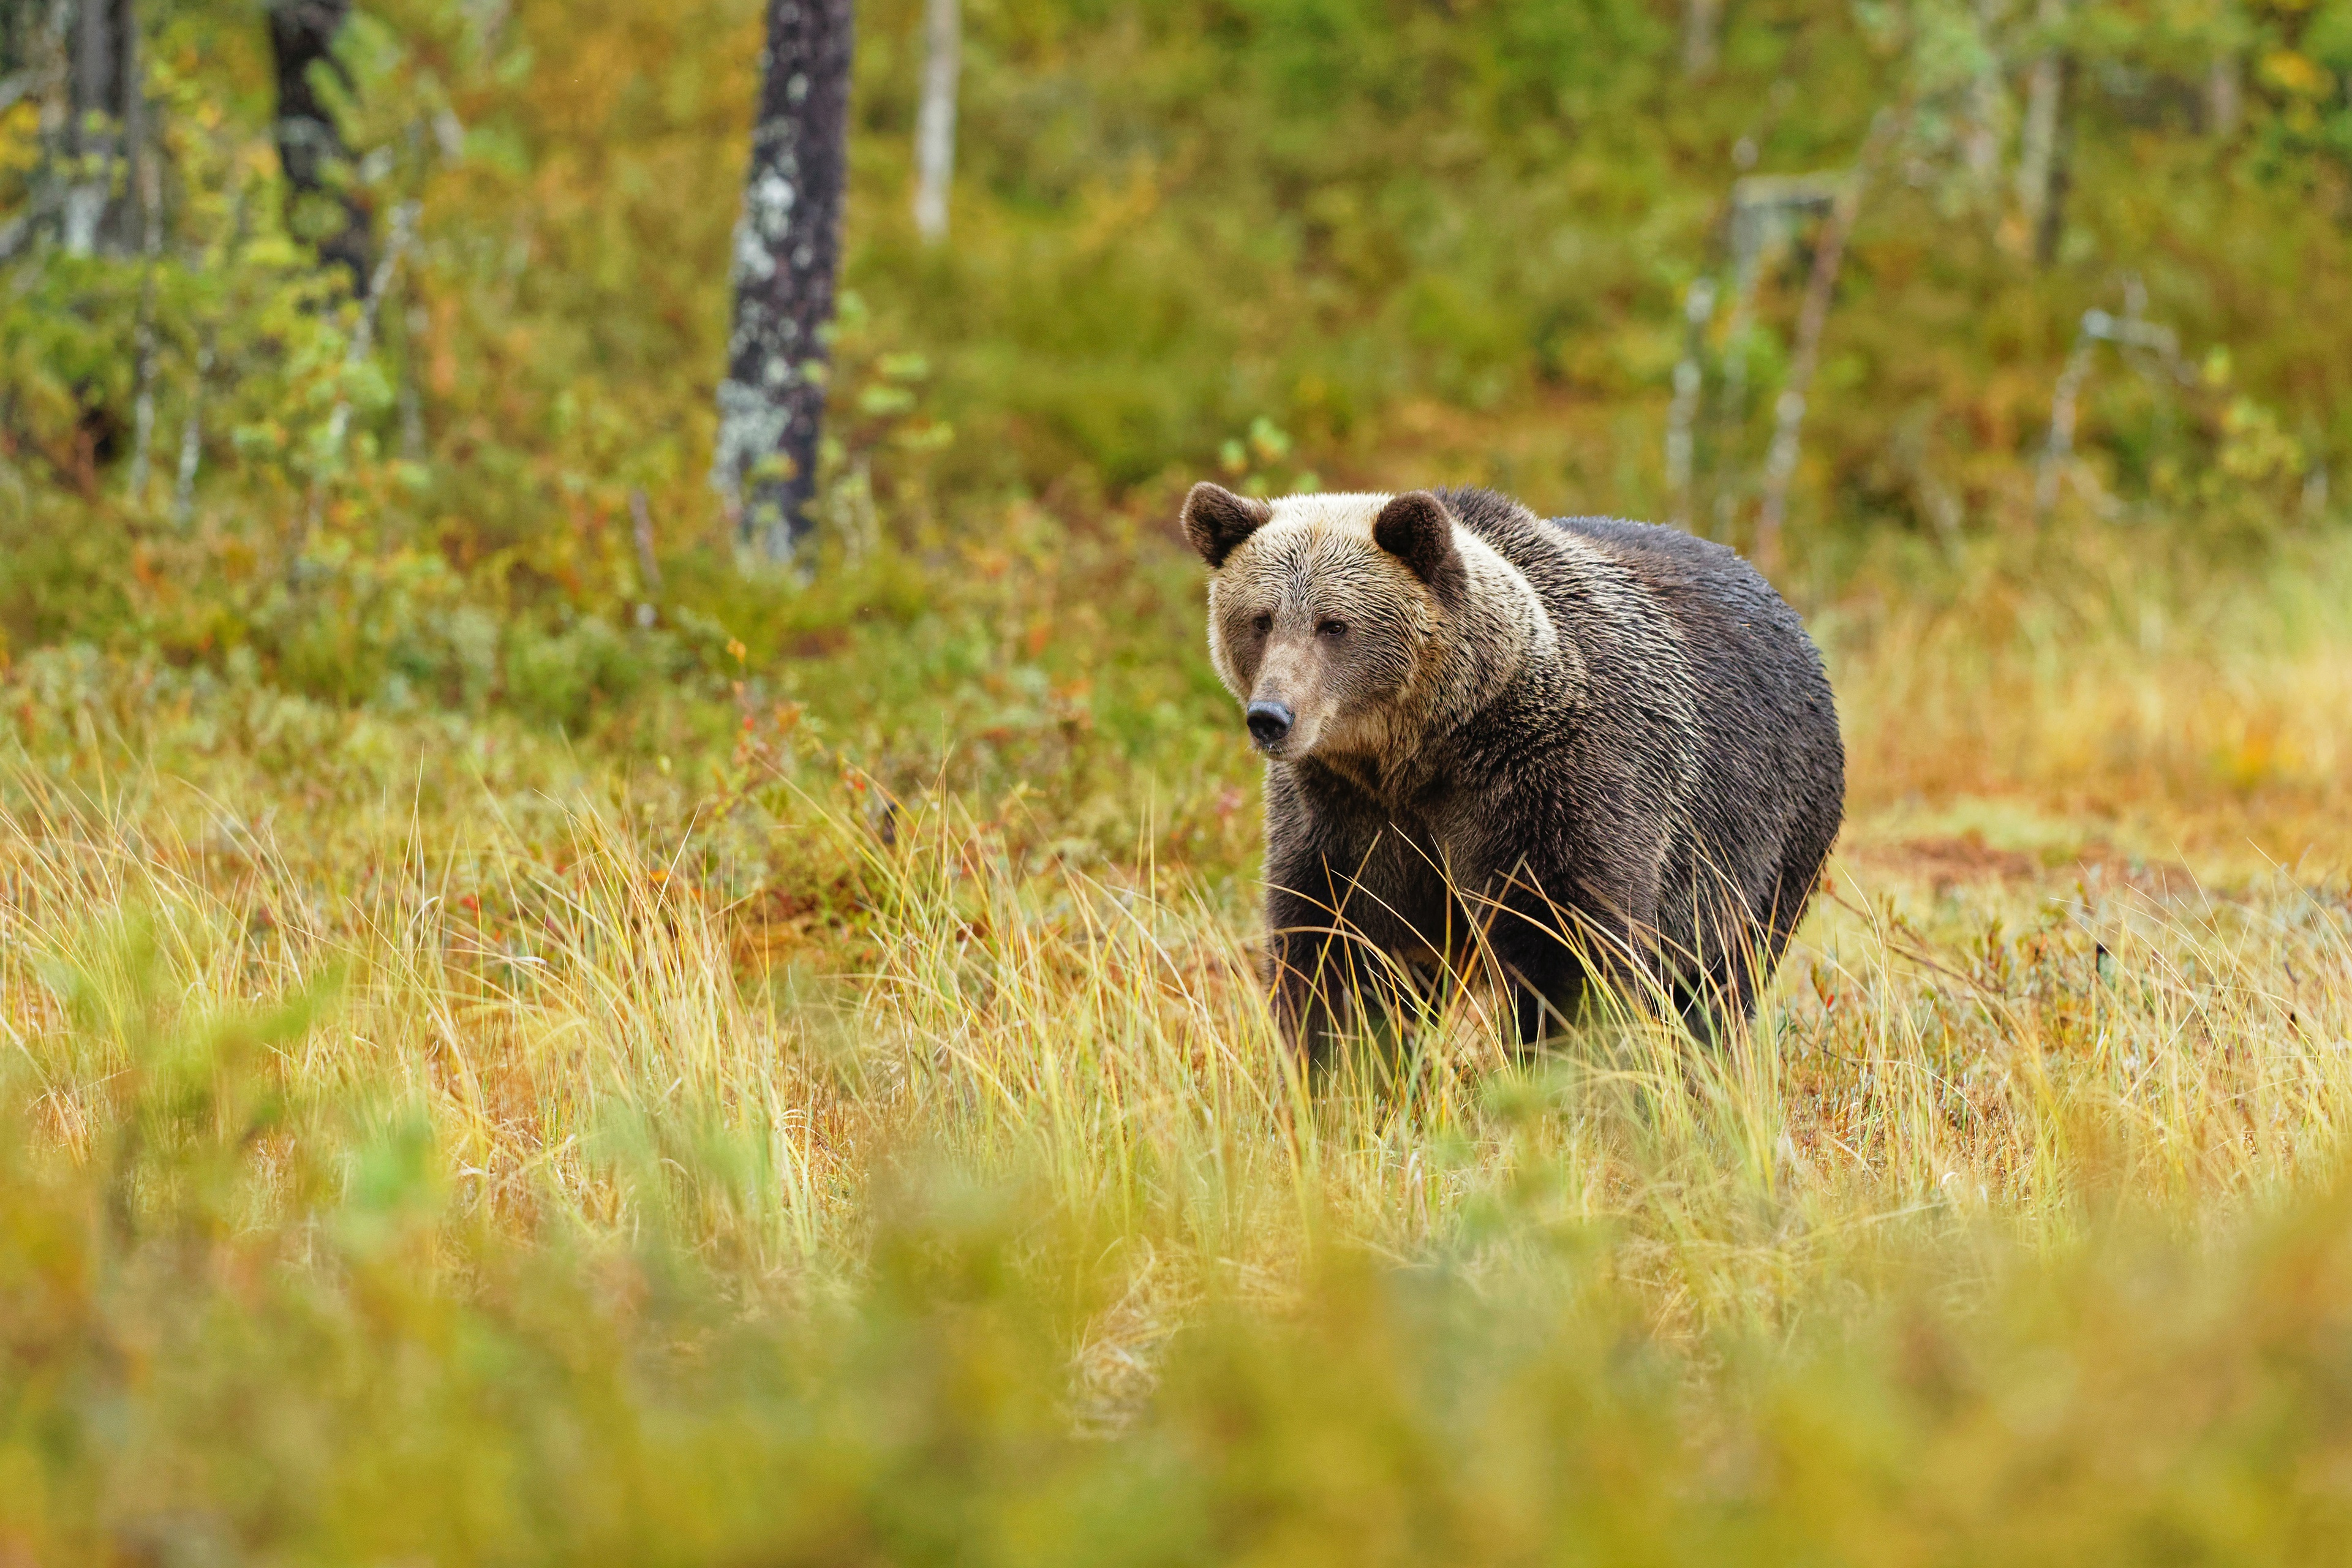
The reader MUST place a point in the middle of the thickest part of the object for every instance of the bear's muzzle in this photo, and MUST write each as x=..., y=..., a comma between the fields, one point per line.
x=1269, y=722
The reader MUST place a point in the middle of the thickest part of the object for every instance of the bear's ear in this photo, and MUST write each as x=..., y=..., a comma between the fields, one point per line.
x=1417, y=530
x=1216, y=520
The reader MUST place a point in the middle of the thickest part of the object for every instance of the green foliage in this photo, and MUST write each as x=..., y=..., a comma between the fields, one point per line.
x=409, y=1388
x=836, y=1120
x=540, y=1149
x=1347, y=244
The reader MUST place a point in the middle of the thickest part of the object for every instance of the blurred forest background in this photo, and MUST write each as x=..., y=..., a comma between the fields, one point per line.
x=1316, y=242
x=529, y=1031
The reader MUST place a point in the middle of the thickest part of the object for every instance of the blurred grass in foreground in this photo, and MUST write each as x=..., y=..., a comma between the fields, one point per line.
x=427, y=1139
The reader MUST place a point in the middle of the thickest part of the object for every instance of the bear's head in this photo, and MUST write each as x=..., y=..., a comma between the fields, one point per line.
x=1335, y=619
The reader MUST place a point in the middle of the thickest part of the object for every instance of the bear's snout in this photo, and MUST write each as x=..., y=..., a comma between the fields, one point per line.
x=1269, y=722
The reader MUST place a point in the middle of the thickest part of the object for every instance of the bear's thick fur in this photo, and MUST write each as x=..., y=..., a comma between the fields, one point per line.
x=1542, y=748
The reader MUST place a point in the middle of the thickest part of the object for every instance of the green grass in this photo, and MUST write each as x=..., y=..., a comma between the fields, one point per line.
x=428, y=1137
x=488, y=1074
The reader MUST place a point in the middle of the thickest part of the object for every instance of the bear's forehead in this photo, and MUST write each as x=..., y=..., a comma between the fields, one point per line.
x=1300, y=558
x=1315, y=553
x=1313, y=536
x=1350, y=513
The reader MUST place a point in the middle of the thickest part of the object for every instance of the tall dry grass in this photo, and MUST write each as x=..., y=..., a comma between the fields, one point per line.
x=2006, y=1018
x=541, y=1159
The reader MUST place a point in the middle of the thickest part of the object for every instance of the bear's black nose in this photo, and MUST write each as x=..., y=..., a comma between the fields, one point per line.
x=1268, y=723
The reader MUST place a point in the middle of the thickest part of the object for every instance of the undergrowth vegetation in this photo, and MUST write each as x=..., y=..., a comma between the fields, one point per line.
x=524, y=1037
x=804, y=1152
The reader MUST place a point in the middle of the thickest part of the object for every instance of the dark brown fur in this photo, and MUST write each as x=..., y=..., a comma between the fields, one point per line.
x=1571, y=746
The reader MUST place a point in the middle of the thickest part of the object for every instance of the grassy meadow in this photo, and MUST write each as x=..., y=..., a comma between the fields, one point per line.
x=442, y=1139
x=525, y=1038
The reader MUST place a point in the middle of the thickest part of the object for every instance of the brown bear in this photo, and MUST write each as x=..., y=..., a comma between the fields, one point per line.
x=1549, y=752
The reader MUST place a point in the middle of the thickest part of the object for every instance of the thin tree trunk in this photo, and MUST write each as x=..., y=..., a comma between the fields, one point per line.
x=15, y=37
x=1682, y=414
x=2224, y=96
x=935, y=124
x=649, y=577
x=1781, y=464
x=2039, y=174
x=787, y=250
x=104, y=129
x=413, y=440
x=1988, y=108
x=309, y=146
x=143, y=416
x=192, y=439
x=1702, y=22
x=142, y=402
x=2053, y=227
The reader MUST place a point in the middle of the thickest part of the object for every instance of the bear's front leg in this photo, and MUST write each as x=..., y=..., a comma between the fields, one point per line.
x=1339, y=933
x=1320, y=841
x=1543, y=968
x=1314, y=972
x=1553, y=930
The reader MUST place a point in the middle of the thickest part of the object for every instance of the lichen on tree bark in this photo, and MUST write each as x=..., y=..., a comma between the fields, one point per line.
x=787, y=250
x=105, y=128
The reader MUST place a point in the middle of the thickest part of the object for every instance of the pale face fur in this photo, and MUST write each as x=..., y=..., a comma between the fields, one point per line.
x=1309, y=612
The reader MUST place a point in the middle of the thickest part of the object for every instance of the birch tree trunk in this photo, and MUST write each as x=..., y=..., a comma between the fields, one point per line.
x=302, y=44
x=1702, y=21
x=787, y=250
x=1986, y=129
x=2224, y=96
x=105, y=131
x=935, y=122
x=2040, y=174
x=1789, y=414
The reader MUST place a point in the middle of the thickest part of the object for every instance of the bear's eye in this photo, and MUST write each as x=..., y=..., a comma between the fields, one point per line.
x=1331, y=629
x=1262, y=625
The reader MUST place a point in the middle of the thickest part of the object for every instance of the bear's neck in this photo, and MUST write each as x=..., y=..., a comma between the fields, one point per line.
x=1486, y=642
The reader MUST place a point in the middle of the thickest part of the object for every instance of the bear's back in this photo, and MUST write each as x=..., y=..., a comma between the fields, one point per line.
x=1723, y=608
x=1605, y=579
x=1668, y=623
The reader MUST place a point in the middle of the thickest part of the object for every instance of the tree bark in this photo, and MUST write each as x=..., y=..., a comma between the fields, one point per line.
x=1682, y=414
x=935, y=122
x=309, y=146
x=1988, y=108
x=2050, y=226
x=2041, y=168
x=15, y=37
x=105, y=131
x=787, y=251
x=1829, y=254
x=2224, y=96
x=1702, y=21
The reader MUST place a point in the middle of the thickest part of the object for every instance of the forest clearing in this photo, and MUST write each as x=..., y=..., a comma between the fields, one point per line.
x=549, y=1015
